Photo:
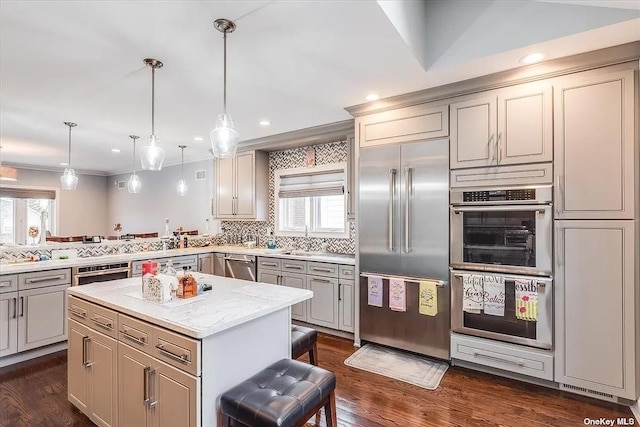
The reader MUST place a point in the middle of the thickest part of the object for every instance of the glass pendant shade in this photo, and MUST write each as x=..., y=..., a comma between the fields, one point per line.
x=182, y=188
x=134, y=184
x=224, y=138
x=69, y=180
x=151, y=155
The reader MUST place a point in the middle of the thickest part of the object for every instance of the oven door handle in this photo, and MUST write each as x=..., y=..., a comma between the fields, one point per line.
x=102, y=272
x=511, y=208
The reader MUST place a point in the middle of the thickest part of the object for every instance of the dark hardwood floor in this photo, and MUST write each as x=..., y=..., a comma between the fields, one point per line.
x=34, y=394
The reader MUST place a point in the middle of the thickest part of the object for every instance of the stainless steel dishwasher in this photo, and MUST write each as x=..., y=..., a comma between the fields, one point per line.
x=240, y=267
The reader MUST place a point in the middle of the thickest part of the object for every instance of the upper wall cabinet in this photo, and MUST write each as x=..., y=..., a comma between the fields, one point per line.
x=403, y=125
x=504, y=127
x=595, y=163
x=242, y=187
x=351, y=177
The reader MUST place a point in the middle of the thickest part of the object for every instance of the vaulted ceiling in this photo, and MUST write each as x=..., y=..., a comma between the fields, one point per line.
x=294, y=63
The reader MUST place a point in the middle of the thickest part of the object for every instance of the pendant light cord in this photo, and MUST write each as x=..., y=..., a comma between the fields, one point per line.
x=153, y=98
x=224, y=97
x=69, y=162
x=182, y=164
x=134, y=152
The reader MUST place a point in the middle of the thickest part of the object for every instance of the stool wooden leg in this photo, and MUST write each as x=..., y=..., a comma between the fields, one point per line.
x=313, y=354
x=330, y=411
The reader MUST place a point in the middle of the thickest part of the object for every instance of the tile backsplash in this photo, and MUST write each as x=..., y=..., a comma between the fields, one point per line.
x=333, y=152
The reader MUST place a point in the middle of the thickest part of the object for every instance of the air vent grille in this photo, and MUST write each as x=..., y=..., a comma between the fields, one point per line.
x=201, y=175
x=122, y=185
x=587, y=392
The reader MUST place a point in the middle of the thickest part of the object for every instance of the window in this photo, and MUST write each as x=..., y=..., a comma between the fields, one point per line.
x=22, y=208
x=313, y=200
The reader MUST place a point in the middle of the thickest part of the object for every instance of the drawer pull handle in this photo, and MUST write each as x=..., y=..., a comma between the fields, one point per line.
x=140, y=340
x=5, y=284
x=317, y=279
x=347, y=272
x=184, y=358
x=268, y=264
x=105, y=325
x=498, y=359
x=297, y=267
x=80, y=314
x=326, y=270
x=44, y=279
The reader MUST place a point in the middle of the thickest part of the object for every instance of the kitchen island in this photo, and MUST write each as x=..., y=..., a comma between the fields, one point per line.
x=135, y=362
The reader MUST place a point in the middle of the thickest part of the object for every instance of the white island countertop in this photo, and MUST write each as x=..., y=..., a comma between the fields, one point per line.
x=231, y=302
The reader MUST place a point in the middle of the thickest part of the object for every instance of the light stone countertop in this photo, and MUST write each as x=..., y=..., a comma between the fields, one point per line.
x=24, y=267
x=231, y=302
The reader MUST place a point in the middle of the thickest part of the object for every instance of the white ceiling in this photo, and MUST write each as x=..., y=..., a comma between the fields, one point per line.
x=296, y=63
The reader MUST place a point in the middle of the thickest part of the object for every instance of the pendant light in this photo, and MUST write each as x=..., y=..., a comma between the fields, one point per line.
x=182, y=184
x=134, y=185
x=224, y=138
x=151, y=155
x=69, y=180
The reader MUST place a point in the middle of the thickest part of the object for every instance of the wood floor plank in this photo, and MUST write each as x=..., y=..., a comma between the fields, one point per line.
x=35, y=394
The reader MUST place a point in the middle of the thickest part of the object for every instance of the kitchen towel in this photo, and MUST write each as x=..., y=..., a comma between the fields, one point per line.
x=428, y=297
x=374, y=297
x=472, y=293
x=526, y=299
x=397, y=294
x=493, y=295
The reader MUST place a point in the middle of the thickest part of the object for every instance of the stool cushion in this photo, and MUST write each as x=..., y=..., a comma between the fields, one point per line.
x=302, y=339
x=280, y=395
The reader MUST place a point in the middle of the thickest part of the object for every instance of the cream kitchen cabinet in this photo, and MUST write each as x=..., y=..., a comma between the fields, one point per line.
x=206, y=263
x=92, y=368
x=323, y=307
x=32, y=310
x=296, y=280
x=346, y=298
x=242, y=187
x=596, y=329
x=596, y=160
x=503, y=127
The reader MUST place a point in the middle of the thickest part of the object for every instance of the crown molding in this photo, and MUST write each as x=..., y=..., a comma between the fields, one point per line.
x=553, y=68
x=52, y=169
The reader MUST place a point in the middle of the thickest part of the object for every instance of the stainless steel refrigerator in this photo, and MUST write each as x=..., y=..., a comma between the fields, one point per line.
x=404, y=232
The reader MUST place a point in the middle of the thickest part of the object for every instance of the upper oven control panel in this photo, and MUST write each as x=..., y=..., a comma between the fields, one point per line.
x=499, y=195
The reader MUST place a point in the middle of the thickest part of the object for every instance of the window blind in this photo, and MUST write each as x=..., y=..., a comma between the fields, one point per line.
x=27, y=193
x=312, y=183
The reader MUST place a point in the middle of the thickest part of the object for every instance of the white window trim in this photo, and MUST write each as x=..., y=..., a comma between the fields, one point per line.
x=56, y=219
x=322, y=234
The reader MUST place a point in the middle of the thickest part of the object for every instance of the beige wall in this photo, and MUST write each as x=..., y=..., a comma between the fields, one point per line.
x=80, y=212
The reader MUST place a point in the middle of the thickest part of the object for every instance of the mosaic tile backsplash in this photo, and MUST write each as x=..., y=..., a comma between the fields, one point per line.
x=238, y=231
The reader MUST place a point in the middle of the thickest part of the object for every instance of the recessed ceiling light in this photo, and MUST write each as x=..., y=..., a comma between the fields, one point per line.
x=64, y=164
x=532, y=58
x=198, y=138
x=264, y=122
x=372, y=97
x=115, y=150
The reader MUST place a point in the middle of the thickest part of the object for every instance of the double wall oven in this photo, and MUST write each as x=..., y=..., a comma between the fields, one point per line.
x=504, y=236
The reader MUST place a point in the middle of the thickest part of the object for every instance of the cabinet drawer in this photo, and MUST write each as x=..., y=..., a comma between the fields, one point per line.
x=347, y=272
x=322, y=269
x=135, y=333
x=177, y=350
x=509, y=357
x=43, y=279
x=103, y=320
x=78, y=310
x=294, y=265
x=8, y=283
x=179, y=262
x=269, y=264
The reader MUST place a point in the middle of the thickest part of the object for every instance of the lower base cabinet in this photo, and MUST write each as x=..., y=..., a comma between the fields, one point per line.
x=299, y=281
x=346, y=298
x=323, y=307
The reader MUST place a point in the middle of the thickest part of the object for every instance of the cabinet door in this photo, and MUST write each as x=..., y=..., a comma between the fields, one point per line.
x=473, y=132
x=42, y=318
x=525, y=124
x=345, y=305
x=351, y=177
x=595, y=304
x=245, y=185
x=77, y=373
x=205, y=263
x=269, y=277
x=8, y=323
x=134, y=368
x=594, y=146
x=225, y=188
x=299, y=281
x=103, y=380
x=323, y=307
x=176, y=395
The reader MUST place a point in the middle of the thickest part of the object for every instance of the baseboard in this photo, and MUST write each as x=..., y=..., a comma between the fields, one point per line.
x=328, y=331
x=636, y=410
x=32, y=354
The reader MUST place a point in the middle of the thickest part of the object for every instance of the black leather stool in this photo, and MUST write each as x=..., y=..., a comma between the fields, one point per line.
x=304, y=340
x=285, y=394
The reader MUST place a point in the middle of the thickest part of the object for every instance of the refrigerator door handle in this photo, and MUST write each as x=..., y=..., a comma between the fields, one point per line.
x=408, y=178
x=392, y=200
